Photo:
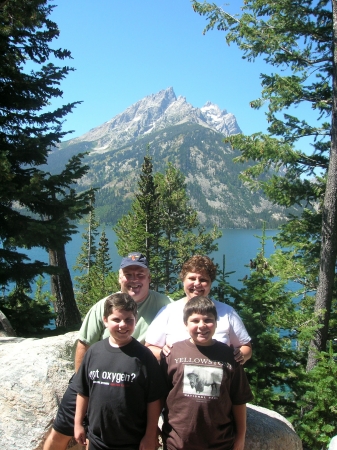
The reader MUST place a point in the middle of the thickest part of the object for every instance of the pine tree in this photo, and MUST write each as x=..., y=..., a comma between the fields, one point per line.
x=103, y=280
x=267, y=310
x=299, y=38
x=87, y=255
x=181, y=233
x=85, y=260
x=36, y=208
x=139, y=230
x=318, y=424
x=163, y=226
x=99, y=280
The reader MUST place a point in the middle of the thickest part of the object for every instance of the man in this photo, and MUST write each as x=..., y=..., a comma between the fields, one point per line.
x=134, y=279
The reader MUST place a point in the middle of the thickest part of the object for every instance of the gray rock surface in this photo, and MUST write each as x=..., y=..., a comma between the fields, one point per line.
x=34, y=374
x=156, y=112
x=6, y=329
x=268, y=430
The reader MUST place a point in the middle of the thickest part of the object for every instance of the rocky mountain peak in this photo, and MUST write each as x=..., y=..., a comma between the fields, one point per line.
x=190, y=137
x=220, y=120
x=153, y=113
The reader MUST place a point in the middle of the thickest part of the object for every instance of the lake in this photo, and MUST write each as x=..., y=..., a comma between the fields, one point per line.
x=238, y=246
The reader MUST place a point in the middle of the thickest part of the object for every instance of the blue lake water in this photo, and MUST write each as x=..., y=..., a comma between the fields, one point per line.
x=238, y=246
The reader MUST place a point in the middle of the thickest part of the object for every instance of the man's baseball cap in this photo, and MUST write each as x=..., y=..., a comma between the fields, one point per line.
x=134, y=259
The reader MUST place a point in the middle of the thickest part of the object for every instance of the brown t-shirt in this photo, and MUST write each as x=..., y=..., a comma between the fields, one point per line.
x=204, y=383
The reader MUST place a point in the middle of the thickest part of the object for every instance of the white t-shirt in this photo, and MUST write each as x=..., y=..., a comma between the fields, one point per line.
x=168, y=326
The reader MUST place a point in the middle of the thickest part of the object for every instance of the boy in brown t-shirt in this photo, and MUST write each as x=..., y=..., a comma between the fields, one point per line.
x=206, y=405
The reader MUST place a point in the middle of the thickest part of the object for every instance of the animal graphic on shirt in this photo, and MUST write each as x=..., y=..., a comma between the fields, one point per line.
x=200, y=378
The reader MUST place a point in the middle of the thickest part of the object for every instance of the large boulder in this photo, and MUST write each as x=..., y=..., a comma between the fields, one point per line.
x=268, y=430
x=34, y=374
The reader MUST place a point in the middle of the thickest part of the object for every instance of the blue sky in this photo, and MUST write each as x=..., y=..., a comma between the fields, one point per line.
x=124, y=50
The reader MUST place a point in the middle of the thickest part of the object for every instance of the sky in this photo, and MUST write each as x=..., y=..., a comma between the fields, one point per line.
x=124, y=50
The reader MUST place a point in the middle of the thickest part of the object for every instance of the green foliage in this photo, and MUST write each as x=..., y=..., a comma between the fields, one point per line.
x=297, y=39
x=90, y=291
x=27, y=315
x=317, y=423
x=87, y=254
x=187, y=146
x=36, y=207
x=181, y=235
x=163, y=226
x=267, y=310
x=97, y=279
x=139, y=229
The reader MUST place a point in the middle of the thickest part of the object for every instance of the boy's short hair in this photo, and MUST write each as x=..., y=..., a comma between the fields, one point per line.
x=199, y=305
x=120, y=301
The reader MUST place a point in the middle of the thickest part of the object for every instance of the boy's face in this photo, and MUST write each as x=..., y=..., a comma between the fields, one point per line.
x=121, y=324
x=201, y=328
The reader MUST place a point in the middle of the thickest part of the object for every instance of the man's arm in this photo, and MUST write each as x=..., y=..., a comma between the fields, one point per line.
x=239, y=413
x=154, y=349
x=149, y=441
x=81, y=409
x=81, y=350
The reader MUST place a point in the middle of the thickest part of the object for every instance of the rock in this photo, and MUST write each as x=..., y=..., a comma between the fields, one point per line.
x=34, y=374
x=268, y=430
x=333, y=443
x=6, y=329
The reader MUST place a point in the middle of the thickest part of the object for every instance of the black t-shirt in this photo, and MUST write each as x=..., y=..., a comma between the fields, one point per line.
x=119, y=382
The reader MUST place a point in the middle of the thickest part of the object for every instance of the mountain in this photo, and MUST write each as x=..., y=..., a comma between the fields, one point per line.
x=175, y=131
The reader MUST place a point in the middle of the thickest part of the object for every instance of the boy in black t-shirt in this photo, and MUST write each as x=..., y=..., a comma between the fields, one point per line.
x=206, y=405
x=119, y=385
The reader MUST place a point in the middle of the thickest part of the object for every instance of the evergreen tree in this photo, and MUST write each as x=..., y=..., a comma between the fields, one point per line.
x=267, y=310
x=163, y=226
x=318, y=424
x=139, y=230
x=181, y=233
x=36, y=208
x=85, y=260
x=29, y=316
x=299, y=37
x=99, y=280
x=87, y=255
x=103, y=280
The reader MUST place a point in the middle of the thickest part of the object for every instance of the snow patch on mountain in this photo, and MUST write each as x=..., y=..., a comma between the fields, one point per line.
x=221, y=121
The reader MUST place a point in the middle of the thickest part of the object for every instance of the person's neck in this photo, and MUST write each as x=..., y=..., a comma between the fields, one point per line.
x=116, y=345
x=208, y=344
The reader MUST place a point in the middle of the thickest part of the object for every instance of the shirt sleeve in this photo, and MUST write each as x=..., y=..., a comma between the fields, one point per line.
x=164, y=368
x=157, y=383
x=92, y=328
x=80, y=382
x=240, y=391
x=238, y=334
x=156, y=333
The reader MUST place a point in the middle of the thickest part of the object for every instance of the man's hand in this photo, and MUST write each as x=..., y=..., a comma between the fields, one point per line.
x=167, y=349
x=243, y=353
